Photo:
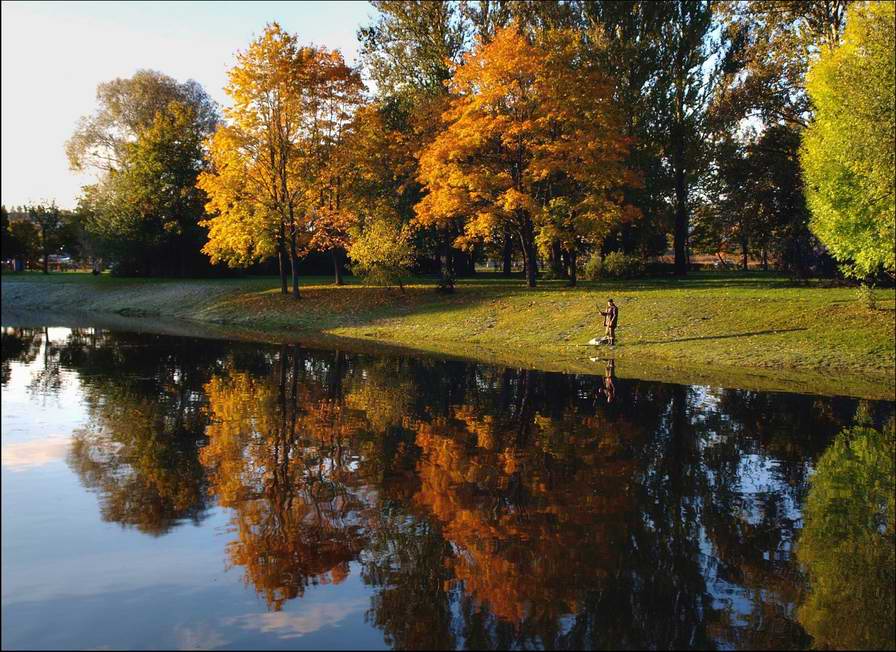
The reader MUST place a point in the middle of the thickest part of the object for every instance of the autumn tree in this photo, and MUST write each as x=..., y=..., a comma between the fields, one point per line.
x=379, y=190
x=269, y=159
x=331, y=101
x=409, y=52
x=526, y=119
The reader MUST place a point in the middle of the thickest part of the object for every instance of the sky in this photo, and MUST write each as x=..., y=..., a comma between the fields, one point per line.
x=55, y=53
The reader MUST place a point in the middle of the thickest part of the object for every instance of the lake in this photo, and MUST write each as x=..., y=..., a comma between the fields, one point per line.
x=163, y=491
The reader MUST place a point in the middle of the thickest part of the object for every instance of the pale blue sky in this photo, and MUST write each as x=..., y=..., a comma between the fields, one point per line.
x=55, y=53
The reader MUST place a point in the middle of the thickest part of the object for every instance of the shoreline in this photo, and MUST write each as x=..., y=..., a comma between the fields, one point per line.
x=421, y=322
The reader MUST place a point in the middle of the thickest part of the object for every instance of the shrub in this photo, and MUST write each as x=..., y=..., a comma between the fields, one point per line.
x=865, y=296
x=614, y=265
x=593, y=267
x=381, y=253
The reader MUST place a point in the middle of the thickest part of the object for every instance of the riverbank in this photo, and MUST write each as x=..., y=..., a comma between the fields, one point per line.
x=754, y=331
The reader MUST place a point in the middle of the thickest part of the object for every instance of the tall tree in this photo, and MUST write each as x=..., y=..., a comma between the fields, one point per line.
x=145, y=141
x=762, y=88
x=267, y=163
x=773, y=42
x=410, y=47
x=409, y=52
x=750, y=201
x=11, y=248
x=525, y=118
x=847, y=155
x=380, y=188
x=626, y=39
x=126, y=108
x=330, y=103
x=685, y=82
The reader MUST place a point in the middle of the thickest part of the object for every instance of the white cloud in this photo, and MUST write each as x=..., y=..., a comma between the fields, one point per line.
x=310, y=619
x=20, y=456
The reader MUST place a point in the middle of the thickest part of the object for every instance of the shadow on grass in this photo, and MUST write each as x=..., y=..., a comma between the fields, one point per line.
x=719, y=337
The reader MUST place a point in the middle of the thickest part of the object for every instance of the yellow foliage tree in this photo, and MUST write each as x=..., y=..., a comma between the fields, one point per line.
x=528, y=122
x=269, y=159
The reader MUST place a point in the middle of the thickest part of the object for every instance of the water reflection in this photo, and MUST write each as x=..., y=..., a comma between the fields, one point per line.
x=497, y=508
x=848, y=543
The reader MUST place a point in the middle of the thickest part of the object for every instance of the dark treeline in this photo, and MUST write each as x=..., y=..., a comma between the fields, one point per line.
x=495, y=508
x=589, y=137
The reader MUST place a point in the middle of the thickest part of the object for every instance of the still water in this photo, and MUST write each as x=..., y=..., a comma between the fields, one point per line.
x=160, y=491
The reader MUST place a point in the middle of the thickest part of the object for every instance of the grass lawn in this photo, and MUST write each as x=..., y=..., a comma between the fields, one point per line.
x=735, y=329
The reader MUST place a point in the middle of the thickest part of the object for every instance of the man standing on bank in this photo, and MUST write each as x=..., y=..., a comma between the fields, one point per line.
x=611, y=316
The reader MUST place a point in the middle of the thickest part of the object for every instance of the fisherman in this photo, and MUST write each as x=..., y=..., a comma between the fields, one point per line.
x=611, y=317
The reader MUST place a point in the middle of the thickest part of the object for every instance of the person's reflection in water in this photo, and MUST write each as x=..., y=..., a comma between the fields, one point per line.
x=609, y=388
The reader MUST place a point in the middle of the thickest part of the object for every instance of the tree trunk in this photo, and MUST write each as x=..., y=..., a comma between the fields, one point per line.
x=507, y=252
x=446, y=270
x=765, y=260
x=527, y=240
x=573, y=274
x=744, y=252
x=557, y=266
x=680, y=234
x=471, y=261
x=281, y=261
x=336, y=267
x=294, y=265
x=46, y=252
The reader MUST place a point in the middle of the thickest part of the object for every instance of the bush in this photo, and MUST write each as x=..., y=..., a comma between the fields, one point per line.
x=865, y=296
x=593, y=267
x=381, y=253
x=614, y=265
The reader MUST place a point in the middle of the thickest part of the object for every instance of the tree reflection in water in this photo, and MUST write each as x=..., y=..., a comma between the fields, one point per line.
x=494, y=508
x=848, y=544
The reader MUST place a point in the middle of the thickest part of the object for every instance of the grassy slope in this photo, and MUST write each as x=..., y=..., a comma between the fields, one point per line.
x=750, y=330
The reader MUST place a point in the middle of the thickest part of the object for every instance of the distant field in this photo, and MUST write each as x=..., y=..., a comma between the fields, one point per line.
x=739, y=329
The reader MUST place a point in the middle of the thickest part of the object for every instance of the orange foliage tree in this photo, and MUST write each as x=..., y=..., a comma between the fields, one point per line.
x=328, y=115
x=528, y=122
x=270, y=161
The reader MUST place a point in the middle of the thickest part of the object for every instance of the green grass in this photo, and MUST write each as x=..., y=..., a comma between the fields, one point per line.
x=732, y=329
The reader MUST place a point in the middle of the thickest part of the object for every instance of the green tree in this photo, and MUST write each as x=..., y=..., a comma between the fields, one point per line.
x=687, y=83
x=146, y=142
x=751, y=201
x=11, y=247
x=626, y=39
x=382, y=251
x=847, y=154
x=409, y=49
x=772, y=44
x=48, y=220
x=26, y=235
